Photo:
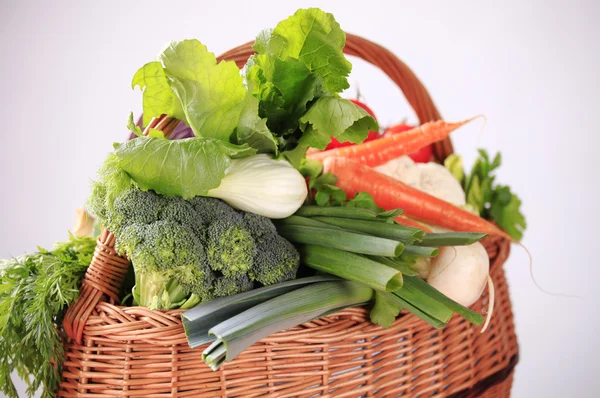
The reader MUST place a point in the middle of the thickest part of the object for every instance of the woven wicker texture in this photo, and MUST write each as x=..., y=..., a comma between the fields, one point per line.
x=131, y=351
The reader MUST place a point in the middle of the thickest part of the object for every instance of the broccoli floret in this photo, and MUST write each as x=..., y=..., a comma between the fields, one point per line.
x=276, y=260
x=230, y=248
x=224, y=286
x=258, y=225
x=181, y=211
x=134, y=207
x=112, y=182
x=211, y=210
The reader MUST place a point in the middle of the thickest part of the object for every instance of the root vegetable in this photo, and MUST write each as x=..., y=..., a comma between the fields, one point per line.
x=460, y=272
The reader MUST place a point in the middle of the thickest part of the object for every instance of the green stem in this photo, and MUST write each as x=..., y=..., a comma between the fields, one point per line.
x=342, y=240
x=421, y=251
x=288, y=310
x=335, y=211
x=376, y=228
x=352, y=267
x=451, y=239
x=198, y=321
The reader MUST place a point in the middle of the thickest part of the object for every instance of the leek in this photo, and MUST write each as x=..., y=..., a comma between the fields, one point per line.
x=288, y=310
x=198, y=320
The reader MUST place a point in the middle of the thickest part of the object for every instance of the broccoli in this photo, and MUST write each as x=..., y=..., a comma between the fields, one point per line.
x=258, y=225
x=276, y=260
x=230, y=248
x=188, y=251
x=224, y=286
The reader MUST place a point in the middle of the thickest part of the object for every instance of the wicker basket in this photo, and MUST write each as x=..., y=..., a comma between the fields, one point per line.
x=135, y=352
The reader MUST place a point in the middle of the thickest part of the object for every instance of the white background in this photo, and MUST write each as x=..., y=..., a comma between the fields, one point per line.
x=532, y=69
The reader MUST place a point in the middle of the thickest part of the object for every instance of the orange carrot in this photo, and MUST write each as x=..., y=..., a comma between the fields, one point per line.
x=382, y=150
x=409, y=222
x=389, y=193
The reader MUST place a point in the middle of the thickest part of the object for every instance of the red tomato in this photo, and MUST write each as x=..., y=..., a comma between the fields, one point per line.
x=423, y=155
x=373, y=135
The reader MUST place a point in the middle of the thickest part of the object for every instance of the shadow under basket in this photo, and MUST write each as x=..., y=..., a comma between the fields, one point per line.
x=134, y=352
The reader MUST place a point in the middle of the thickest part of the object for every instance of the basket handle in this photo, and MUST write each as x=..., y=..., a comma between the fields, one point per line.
x=104, y=278
x=414, y=91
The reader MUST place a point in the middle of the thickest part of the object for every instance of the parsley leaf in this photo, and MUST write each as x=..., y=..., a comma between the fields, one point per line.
x=491, y=201
x=35, y=290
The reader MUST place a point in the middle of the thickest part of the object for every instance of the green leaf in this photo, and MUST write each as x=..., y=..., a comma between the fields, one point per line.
x=296, y=155
x=310, y=168
x=387, y=307
x=154, y=133
x=253, y=130
x=158, y=96
x=135, y=129
x=506, y=211
x=212, y=95
x=335, y=117
x=315, y=38
x=284, y=88
x=187, y=168
x=365, y=201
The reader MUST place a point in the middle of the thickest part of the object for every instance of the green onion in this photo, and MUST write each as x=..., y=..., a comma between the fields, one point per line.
x=342, y=240
x=424, y=302
x=304, y=222
x=352, y=267
x=335, y=211
x=436, y=323
x=288, y=310
x=383, y=230
x=427, y=289
x=400, y=266
x=421, y=251
x=198, y=320
x=451, y=239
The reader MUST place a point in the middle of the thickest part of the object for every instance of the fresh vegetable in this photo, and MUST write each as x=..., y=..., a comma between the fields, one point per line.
x=378, y=152
x=35, y=290
x=460, y=272
x=491, y=201
x=290, y=309
x=200, y=319
x=431, y=178
x=409, y=222
x=391, y=194
x=286, y=100
x=328, y=246
x=261, y=185
x=422, y=155
x=373, y=135
x=187, y=251
x=203, y=167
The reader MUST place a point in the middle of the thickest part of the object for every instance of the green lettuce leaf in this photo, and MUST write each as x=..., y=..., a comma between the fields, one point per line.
x=335, y=117
x=131, y=126
x=253, y=130
x=158, y=96
x=284, y=89
x=187, y=168
x=211, y=95
x=315, y=38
